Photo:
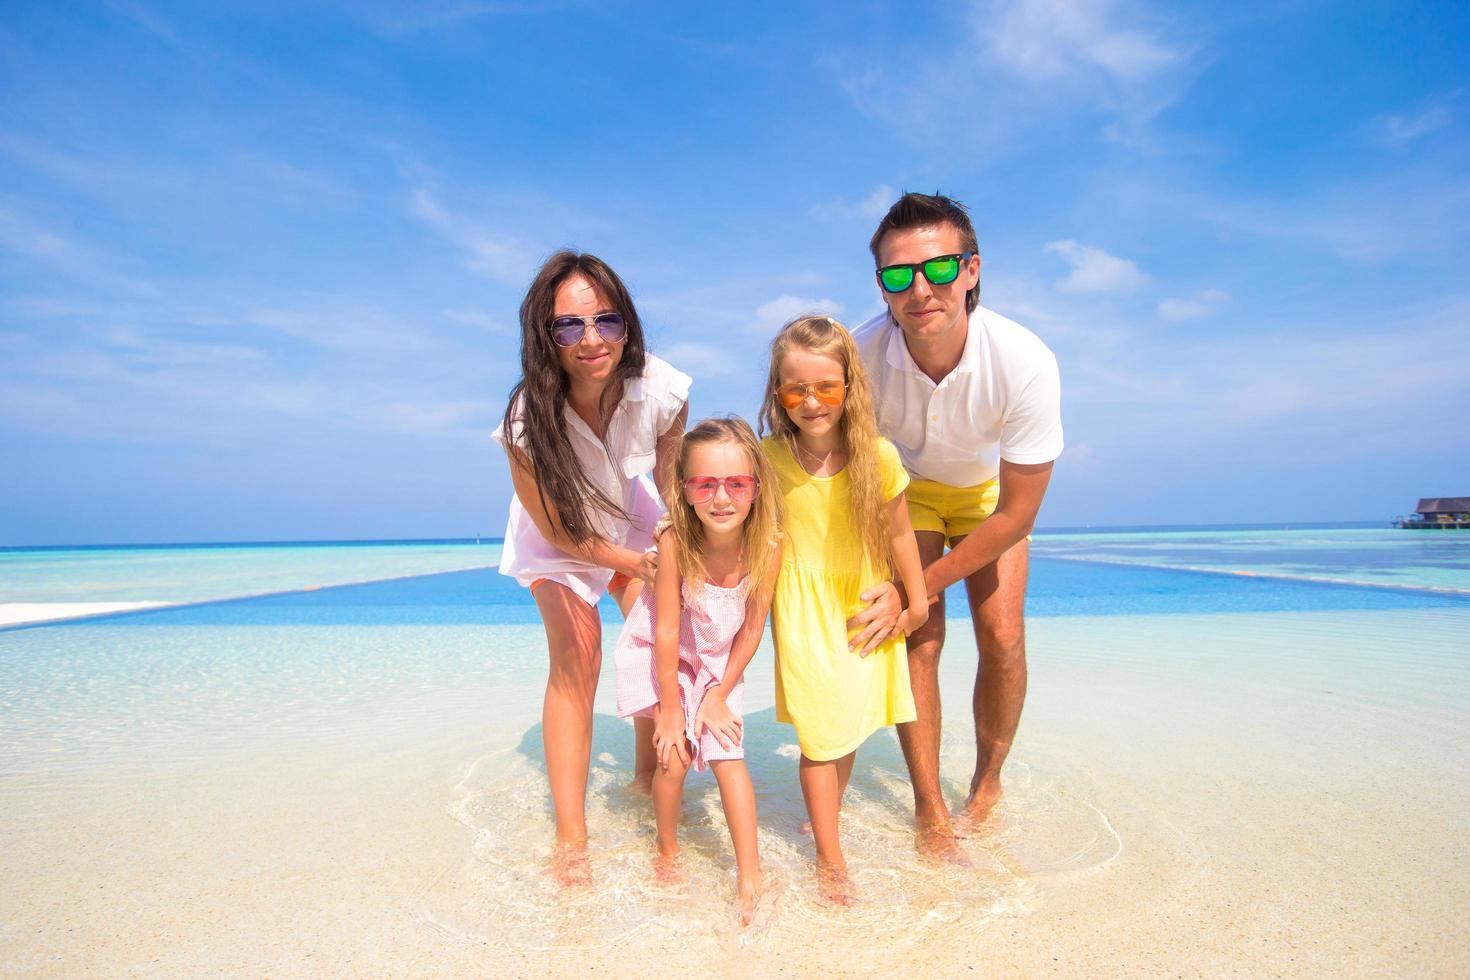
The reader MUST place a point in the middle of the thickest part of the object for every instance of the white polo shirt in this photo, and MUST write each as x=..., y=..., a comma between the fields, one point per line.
x=618, y=465
x=1002, y=401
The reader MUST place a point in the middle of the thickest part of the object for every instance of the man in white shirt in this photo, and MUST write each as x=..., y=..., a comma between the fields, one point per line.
x=972, y=401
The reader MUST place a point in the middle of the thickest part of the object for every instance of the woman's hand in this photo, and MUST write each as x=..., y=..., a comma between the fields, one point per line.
x=714, y=716
x=668, y=735
x=642, y=565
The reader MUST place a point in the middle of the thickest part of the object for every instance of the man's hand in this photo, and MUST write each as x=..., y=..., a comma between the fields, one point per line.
x=878, y=621
x=714, y=716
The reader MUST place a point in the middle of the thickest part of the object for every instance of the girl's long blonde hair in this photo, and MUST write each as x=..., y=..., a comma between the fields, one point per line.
x=762, y=535
x=858, y=426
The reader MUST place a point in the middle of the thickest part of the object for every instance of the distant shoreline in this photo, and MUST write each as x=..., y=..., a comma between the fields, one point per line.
x=386, y=542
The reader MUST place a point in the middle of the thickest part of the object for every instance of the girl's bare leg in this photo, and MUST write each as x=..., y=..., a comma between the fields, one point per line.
x=738, y=797
x=644, y=759
x=822, y=785
x=574, y=646
x=668, y=798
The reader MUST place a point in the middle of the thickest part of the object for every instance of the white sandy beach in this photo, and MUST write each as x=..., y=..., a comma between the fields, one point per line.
x=1238, y=795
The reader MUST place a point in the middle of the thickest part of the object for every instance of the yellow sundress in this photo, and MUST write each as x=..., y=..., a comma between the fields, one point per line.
x=833, y=696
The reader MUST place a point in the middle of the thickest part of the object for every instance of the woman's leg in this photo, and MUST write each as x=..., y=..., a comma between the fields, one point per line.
x=738, y=798
x=821, y=785
x=644, y=759
x=574, y=644
x=668, y=797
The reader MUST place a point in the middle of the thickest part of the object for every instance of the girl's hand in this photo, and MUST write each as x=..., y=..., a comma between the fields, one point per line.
x=668, y=735
x=913, y=617
x=714, y=716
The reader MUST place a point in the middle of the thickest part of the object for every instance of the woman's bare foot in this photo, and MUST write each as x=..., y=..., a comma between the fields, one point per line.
x=642, y=784
x=835, y=886
x=569, y=865
x=667, y=870
x=747, y=893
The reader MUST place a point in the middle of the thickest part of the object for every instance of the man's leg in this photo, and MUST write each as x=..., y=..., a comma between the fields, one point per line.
x=920, y=738
x=997, y=595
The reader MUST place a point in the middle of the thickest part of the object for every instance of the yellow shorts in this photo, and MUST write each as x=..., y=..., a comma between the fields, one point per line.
x=950, y=511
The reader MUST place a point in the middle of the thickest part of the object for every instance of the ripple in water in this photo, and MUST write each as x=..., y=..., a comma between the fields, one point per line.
x=1046, y=831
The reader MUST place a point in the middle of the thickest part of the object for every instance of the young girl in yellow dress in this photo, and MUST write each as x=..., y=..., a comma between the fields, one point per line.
x=847, y=528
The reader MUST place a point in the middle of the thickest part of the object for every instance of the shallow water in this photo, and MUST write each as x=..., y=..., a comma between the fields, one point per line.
x=1214, y=774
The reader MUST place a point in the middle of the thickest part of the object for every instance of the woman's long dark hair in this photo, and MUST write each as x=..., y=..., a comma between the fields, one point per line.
x=537, y=425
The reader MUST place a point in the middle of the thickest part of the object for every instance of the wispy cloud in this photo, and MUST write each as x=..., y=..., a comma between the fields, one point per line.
x=701, y=360
x=1094, y=270
x=873, y=206
x=1202, y=304
x=1045, y=40
x=1397, y=132
x=769, y=317
x=491, y=254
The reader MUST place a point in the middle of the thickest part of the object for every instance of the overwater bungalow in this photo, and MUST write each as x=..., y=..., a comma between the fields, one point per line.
x=1436, y=513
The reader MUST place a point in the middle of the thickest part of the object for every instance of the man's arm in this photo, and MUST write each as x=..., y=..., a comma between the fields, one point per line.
x=1022, y=486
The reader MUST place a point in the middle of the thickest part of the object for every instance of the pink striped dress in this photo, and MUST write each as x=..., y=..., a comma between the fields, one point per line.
x=710, y=618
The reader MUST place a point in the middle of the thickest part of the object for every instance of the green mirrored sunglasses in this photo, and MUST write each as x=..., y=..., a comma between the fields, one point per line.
x=940, y=271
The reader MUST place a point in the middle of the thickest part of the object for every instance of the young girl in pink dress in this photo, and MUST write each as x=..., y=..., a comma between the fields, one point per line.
x=682, y=654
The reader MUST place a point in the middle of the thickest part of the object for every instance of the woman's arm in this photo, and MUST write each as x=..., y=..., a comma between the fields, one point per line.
x=714, y=714
x=668, y=731
x=906, y=563
x=666, y=454
x=596, y=550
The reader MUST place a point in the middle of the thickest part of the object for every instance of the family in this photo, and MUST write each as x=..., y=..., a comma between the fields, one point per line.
x=897, y=459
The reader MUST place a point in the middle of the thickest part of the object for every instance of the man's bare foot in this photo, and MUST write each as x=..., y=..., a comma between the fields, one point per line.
x=835, y=886
x=667, y=870
x=569, y=865
x=747, y=893
x=970, y=817
x=642, y=784
x=937, y=842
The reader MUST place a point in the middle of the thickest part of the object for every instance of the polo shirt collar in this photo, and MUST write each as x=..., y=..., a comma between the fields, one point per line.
x=897, y=353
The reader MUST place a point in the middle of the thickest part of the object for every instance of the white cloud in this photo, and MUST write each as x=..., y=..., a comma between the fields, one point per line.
x=769, y=317
x=1204, y=303
x=1094, y=270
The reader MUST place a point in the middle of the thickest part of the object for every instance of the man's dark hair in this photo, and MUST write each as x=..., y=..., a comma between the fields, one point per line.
x=922, y=210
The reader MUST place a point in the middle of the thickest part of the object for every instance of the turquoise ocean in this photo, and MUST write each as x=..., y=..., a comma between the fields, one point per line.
x=314, y=736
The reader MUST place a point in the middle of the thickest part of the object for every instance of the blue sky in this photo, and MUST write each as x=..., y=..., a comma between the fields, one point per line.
x=260, y=263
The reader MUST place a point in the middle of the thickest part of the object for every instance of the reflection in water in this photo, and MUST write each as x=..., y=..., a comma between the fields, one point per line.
x=1043, y=832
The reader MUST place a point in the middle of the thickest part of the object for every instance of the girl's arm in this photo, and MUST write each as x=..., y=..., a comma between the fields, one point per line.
x=668, y=727
x=906, y=562
x=714, y=714
x=596, y=550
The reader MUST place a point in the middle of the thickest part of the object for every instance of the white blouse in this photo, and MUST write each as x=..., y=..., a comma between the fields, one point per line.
x=618, y=465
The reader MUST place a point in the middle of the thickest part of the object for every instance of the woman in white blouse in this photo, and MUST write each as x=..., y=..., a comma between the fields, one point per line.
x=592, y=413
